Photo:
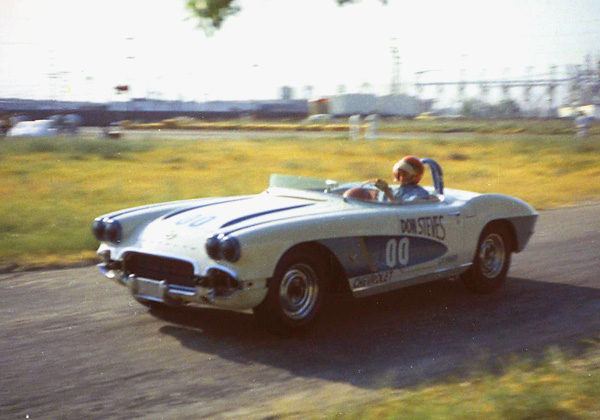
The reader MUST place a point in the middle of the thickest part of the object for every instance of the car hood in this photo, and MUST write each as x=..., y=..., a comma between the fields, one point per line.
x=204, y=219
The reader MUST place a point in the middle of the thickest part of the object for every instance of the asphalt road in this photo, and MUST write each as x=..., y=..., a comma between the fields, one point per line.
x=75, y=345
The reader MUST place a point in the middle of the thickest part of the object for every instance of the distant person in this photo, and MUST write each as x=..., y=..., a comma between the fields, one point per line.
x=583, y=124
x=372, y=127
x=4, y=124
x=408, y=171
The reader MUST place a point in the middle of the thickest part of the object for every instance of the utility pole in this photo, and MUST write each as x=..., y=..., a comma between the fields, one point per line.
x=551, y=89
x=483, y=87
x=527, y=86
x=462, y=83
x=505, y=84
x=575, y=86
x=418, y=85
x=395, y=87
x=308, y=92
x=461, y=88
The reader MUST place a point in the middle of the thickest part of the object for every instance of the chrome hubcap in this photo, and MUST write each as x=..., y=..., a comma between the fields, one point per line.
x=492, y=255
x=299, y=290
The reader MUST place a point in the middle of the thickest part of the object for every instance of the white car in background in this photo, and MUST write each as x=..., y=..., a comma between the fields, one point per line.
x=318, y=119
x=37, y=128
x=56, y=125
x=282, y=251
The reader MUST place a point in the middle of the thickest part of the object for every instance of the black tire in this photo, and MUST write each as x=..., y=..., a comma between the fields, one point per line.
x=295, y=294
x=491, y=262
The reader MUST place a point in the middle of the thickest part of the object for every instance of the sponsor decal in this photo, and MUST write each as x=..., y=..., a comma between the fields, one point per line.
x=371, y=280
x=365, y=255
x=431, y=226
x=397, y=252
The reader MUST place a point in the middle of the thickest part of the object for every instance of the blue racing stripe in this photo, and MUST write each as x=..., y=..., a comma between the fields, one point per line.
x=203, y=205
x=266, y=222
x=252, y=216
x=134, y=209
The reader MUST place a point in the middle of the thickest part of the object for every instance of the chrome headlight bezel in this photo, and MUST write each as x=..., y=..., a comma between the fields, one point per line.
x=222, y=247
x=107, y=230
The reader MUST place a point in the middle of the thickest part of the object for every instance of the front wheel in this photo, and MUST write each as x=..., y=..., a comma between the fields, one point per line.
x=491, y=262
x=295, y=294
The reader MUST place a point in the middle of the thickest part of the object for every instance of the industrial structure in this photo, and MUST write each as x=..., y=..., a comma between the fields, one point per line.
x=537, y=96
x=581, y=85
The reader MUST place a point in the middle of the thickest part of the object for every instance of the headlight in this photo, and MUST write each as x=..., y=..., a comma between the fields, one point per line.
x=107, y=230
x=213, y=247
x=98, y=229
x=231, y=249
x=113, y=232
x=221, y=247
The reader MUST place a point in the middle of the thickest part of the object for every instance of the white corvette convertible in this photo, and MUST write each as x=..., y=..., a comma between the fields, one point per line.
x=283, y=251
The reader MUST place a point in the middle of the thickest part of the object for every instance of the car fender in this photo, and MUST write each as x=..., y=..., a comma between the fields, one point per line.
x=271, y=241
x=486, y=208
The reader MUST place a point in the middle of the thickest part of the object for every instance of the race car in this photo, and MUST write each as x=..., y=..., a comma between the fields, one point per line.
x=284, y=252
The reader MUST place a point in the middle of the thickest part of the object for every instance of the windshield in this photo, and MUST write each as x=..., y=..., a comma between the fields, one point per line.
x=333, y=187
x=297, y=182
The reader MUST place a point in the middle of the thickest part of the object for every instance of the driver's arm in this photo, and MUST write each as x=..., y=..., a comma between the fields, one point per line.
x=383, y=186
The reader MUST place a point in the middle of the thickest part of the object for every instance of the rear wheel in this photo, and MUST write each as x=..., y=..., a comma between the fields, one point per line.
x=295, y=294
x=492, y=260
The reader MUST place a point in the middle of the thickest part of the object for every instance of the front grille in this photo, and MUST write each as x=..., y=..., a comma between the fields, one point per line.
x=153, y=267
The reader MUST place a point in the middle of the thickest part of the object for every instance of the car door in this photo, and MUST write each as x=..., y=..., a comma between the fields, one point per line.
x=429, y=239
x=421, y=241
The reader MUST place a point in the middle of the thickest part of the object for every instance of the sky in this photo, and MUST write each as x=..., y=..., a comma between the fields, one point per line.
x=79, y=49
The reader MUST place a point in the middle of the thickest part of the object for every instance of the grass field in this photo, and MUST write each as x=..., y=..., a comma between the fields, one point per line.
x=557, y=388
x=54, y=188
x=441, y=125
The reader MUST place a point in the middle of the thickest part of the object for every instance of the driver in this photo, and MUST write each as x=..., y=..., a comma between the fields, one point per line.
x=408, y=171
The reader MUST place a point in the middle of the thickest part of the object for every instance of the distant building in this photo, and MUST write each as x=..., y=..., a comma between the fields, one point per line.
x=146, y=109
x=387, y=105
x=400, y=106
x=352, y=104
x=286, y=93
x=318, y=106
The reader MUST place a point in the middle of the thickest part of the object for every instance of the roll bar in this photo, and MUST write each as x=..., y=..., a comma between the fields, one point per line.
x=436, y=174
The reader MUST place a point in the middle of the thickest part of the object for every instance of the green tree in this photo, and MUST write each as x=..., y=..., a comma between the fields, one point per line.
x=507, y=108
x=212, y=13
x=474, y=108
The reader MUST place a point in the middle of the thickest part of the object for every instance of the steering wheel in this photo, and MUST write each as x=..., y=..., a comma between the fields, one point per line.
x=381, y=185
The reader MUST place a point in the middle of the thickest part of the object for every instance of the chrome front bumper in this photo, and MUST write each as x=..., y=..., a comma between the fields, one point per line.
x=249, y=295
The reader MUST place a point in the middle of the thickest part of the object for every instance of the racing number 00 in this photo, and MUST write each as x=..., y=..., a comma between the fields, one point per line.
x=396, y=252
